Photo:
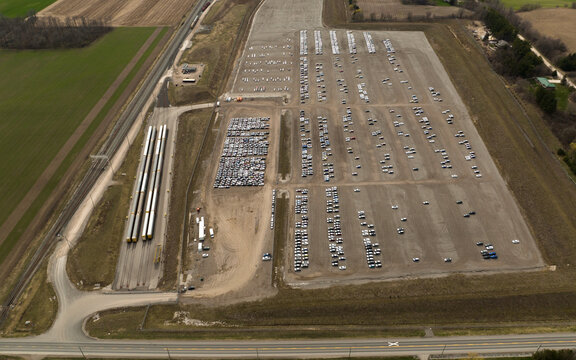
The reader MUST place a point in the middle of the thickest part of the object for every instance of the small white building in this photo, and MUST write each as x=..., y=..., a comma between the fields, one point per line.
x=201, y=229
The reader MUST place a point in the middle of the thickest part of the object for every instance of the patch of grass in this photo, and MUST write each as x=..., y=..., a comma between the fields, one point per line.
x=562, y=93
x=192, y=127
x=48, y=94
x=500, y=330
x=121, y=319
x=280, y=237
x=216, y=49
x=19, y=8
x=517, y=4
x=38, y=305
x=160, y=323
x=285, y=149
x=441, y=3
x=334, y=12
x=217, y=10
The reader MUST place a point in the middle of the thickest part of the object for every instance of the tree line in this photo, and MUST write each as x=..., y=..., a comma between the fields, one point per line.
x=32, y=32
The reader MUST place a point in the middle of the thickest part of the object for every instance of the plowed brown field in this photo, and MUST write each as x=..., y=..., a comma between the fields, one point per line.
x=123, y=13
x=396, y=10
x=554, y=23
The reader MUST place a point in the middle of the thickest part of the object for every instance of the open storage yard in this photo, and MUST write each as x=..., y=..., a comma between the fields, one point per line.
x=389, y=177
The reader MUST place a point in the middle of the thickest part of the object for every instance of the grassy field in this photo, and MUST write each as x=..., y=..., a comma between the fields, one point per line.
x=280, y=237
x=216, y=49
x=284, y=151
x=562, y=94
x=48, y=94
x=15, y=8
x=38, y=305
x=517, y=4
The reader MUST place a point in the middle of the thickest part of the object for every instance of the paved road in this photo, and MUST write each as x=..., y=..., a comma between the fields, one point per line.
x=291, y=348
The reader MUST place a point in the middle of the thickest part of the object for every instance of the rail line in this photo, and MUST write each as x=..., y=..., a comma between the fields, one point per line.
x=100, y=162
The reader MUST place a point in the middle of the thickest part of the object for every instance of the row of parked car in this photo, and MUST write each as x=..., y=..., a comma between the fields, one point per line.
x=306, y=146
x=372, y=249
x=304, y=86
x=335, y=239
x=301, y=255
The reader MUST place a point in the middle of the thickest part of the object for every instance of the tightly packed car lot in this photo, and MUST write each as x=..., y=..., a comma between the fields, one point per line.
x=243, y=157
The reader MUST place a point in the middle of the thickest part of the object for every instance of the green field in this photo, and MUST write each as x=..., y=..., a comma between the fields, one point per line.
x=516, y=4
x=44, y=96
x=14, y=8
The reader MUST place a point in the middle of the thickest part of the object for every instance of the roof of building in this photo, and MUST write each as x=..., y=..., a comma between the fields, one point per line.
x=544, y=82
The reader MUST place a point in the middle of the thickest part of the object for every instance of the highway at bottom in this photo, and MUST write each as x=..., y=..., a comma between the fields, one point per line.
x=290, y=348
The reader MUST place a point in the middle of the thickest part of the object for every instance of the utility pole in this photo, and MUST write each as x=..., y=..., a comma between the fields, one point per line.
x=103, y=157
x=82, y=352
x=62, y=236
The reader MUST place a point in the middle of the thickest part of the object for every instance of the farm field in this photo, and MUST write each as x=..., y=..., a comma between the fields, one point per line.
x=47, y=95
x=394, y=9
x=516, y=4
x=124, y=13
x=554, y=23
x=14, y=8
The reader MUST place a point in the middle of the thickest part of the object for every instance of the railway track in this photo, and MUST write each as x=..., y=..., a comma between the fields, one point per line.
x=101, y=160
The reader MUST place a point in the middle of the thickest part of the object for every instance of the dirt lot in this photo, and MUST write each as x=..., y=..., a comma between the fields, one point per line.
x=240, y=217
x=554, y=23
x=270, y=66
x=123, y=13
x=396, y=10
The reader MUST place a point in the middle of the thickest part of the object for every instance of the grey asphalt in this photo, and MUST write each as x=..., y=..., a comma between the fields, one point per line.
x=291, y=348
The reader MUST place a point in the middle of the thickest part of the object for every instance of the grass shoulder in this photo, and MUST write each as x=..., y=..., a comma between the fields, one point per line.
x=517, y=4
x=36, y=311
x=19, y=8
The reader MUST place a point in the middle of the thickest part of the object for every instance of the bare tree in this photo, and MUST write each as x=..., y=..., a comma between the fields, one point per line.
x=32, y=32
